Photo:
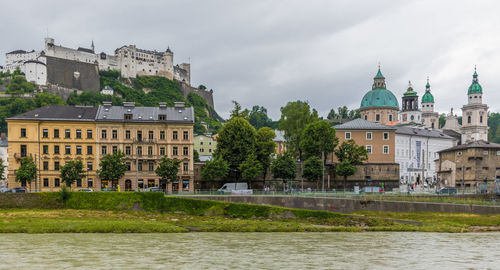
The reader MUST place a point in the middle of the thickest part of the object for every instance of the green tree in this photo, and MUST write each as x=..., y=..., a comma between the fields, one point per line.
x=442, y=120
x=238, y=112
x=27, y=171
x=318, y=138
x=343, y=112
x=354, y=114
x=236, y=141
x=251, y=168
x=295, y=116
x=265, y=148
x=196, y=156
x=44, y=99
x=349, y=155
x=284, y=167
x=72, y=172
x=19, y=85
x=168, y=169
x=2, y=170
x=332, y=115
x=313, y=170
x=215, y=169
x=113, y=166
x=258, y=117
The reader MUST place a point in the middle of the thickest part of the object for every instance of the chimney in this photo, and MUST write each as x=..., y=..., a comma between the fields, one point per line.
x=179, y=104
x=162, y=104
x=129, y=104
x=106, y=103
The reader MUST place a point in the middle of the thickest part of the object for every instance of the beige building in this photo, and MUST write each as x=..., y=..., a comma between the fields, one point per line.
x=475, y=114
x=469, y=164
x=205, y=144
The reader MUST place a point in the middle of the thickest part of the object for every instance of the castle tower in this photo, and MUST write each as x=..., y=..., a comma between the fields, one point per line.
x=379, y=105
x=430, y=118
x=474, y=114
x=410, y=113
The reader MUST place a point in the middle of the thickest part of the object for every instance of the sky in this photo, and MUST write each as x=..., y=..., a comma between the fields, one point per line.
x=268, y=53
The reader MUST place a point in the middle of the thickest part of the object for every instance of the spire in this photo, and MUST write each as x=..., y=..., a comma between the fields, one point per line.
x=474, y=76
x=379, y=80
x=379, y=74
x=428, y=86
x=92, y=45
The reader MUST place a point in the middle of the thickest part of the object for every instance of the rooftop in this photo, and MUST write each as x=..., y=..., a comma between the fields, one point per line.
x=58, y=112
x=178, y=114
x=362, y=125
x=432, y=133
x=475, y=144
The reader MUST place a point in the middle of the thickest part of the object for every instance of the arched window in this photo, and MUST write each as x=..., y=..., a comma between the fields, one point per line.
x=468, y=119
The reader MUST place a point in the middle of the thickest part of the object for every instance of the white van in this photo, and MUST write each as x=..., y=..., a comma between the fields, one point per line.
x=230, y=187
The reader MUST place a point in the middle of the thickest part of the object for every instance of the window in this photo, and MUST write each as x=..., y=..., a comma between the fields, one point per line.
x=45, y=133
x=56, y=149
x=390, y=117
x=90, y=182
x=185, y=135
x=150, y=150
x=369, y=149
x=174, y=135
x=151, y=166
x=89, y=149
x=139, y=135
x=185, y=166
x=89, y=133
x=485, y=152
x=127, y=150
x=24, y=150
x=103, y=134
x=23, y=133
x=162, y=151
x=366, y=117
x=67, y=134
x=78, y=149
x=139, y=166
x=175, y=151
x=114, y=134
x=67, y=150
x=45, y=182
x=45, y=165
x=56, y=133
x=128, y=116
x=127, y=134
x=386, y=136
x=385, y=149
x=162, y=135
x=139, y=150
x=202, y=150
x=498, y=153
x=368, y=135
x=78, y=133
x=480, y=119
x=104, y=150
x=90, y=166
x=459, y=153
x=56, y=165
x=78, y=182
x=185, y=151
x=348, y=135
x=45, y=149
x=468, y=119
x=210, y=150
x=201, y=143
x=128, y=166
x=377, y=117
x=115, y=149
x=150, y=135
x=162, y=117
x=56, y=182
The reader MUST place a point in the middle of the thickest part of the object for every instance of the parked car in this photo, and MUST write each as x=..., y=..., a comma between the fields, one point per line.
x=5, y=190
x=86, y=190
x=19, y=190
x=229, y=187
x=155, y=189
x=109, y=189
x=447, y=190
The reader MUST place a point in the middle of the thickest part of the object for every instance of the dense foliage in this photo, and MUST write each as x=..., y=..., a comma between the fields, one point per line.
x=71, y=172
x=168, y=169
x=113, y=166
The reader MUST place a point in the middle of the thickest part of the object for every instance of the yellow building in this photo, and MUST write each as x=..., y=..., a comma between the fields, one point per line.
x=53, y=135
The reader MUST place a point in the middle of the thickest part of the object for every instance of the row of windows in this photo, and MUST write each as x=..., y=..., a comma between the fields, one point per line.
x=67, y=133
x=404, y=153
x=385, y=149
x=469, y=119
x=485, y=153
x=57, y=166
x=104, y=150
x=151, y=166
x=369, y=135
x=377, y=117
x=139, y=135
x=57, y=182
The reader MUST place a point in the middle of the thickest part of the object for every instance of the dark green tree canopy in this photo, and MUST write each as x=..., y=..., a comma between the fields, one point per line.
x=168, y=169
x=113, y=166
x=284, y=167
x=250, y=168
x=318, y=137
x=215, y=169
x=313, y=167
x=72, y=172
x=349, y=155
x=2, y=170
x=27, y=170
x=265, y=147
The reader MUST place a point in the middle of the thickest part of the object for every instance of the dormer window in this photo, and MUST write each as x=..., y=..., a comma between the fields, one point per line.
x=128, y=116
x=162, y=117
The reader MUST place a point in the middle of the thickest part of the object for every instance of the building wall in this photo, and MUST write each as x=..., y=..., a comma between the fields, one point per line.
x=205, y=145
x=35, y=142
x=377, y=143
x=68, y=53
x=72, y=74
x=16, y=60
x=474, y=120
x=370, y=114
x=35, y=72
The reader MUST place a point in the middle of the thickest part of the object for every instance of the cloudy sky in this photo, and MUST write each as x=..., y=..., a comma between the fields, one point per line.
x=271, y=52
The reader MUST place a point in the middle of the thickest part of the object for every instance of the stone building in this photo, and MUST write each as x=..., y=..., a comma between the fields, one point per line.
x=430, y=118
x=410, y=112
x=379, y=141
x=474, y=114
x=379, y=105
x=54, y=135
x=469, y=165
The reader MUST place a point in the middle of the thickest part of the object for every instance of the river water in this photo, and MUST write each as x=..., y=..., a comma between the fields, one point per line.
x=378, y=250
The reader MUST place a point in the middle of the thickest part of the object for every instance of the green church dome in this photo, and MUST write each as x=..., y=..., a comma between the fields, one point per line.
x=475, y=87
x=410, y=92
x=379, y=96
x=428, y=97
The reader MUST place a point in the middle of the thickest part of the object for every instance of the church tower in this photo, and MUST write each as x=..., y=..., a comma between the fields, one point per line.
x=410, y=113
x=430, y=118
x=475, y=114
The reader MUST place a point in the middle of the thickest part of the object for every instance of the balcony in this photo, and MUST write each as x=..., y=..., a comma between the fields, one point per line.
x=147, y=141
x=19, y=156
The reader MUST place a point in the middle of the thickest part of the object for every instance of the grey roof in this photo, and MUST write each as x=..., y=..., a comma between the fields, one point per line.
x=81, y=49
x=362, y=125
x=58, y=112
x=17, y=52
x=280, y=136
x=145, y=114
x=474, y=144
x=433, y=133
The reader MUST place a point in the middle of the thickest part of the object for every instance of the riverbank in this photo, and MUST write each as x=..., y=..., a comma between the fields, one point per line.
x=133, y=212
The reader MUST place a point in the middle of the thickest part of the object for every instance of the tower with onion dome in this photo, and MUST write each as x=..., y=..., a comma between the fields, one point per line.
x=410, y=112
x=430, y=118
x=379, y=105
x=474, y=114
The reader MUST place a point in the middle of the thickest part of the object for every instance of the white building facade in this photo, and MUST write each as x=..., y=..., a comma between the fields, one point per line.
x=475, y=114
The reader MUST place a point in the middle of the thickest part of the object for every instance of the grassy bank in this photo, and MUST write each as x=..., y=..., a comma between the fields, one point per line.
x=120, y=212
